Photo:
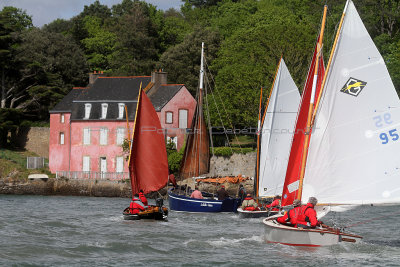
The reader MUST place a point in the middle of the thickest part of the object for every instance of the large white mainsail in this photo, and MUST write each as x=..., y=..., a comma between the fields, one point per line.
x=277, y=132
x=354, y=151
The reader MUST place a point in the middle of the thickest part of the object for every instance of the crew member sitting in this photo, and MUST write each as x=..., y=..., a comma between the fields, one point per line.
x=307, y=217
x=222, y=194
x=290, y=217
x=276, y=204
x=142, y=197
x=249, y=204
x=136, y=205
x=196, y=193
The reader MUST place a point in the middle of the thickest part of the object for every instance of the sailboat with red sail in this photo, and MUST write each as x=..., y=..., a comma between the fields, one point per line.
x=148, y=163
x=196, y=161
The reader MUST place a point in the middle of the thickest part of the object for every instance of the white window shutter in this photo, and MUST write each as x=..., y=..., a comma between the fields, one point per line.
x=86, y=164
x=120, y=164
x=86, y=136
x=183, y=118
x=103, y=136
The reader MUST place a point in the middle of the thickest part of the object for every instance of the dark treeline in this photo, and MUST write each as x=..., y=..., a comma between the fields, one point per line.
x=244, y=41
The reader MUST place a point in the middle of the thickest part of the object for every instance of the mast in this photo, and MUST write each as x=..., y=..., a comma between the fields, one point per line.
x=258, y=143
x=311, y=108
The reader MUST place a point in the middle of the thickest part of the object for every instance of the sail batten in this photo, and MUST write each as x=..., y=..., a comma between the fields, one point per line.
x=353, y=153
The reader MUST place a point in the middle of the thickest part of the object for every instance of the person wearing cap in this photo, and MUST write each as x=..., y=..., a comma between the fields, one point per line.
x=222, y=194
x=290, y=217
x=276, y=204
x=241, y=192
x=249, y=203
x=307, y=217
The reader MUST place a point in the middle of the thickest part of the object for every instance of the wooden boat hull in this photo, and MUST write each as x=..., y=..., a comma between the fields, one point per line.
x=255, y=214
x=286, y=235
x=184, y=203
x=152, y=213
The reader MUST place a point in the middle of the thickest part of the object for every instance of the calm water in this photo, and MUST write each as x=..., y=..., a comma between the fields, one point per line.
x=83, y=231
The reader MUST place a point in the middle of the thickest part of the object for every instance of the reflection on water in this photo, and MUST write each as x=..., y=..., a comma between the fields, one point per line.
x=68, y=231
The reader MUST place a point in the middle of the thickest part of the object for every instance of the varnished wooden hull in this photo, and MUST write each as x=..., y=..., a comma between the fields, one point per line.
x=152, y=212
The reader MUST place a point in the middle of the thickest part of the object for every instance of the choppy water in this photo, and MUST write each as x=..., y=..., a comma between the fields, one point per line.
x=83, y=231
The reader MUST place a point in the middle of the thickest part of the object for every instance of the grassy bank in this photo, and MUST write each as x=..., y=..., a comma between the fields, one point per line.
x=13, y=164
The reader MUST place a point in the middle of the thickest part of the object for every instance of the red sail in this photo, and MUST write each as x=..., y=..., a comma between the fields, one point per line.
x=148, y=165
x=296, y=154
x=196, y=158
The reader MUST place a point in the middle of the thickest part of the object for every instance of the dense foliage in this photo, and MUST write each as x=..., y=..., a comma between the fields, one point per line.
x=244, y=42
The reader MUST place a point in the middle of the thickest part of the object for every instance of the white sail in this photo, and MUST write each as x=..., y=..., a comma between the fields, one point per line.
x=277, y=132
x=354, y=150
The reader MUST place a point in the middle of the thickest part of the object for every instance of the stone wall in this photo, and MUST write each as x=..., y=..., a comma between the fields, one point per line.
x=35, y=139
x=234, y=165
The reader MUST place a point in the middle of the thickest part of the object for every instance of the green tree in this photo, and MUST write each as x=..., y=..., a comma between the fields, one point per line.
x=182, y=62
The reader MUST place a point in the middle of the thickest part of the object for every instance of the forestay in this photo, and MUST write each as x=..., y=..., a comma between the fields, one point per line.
x=277, y=132
x=354, y=150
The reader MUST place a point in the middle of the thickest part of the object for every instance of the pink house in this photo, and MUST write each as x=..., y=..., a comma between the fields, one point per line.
x=88, y=126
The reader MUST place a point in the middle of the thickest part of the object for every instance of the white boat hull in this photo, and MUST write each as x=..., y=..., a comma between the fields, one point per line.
x=287, y=235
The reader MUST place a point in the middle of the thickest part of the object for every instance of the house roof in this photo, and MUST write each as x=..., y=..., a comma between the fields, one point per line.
x=65, y=105
x=110, y=91
x=163, y=94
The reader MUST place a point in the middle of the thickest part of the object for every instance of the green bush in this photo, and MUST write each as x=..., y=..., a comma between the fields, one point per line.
x=227, y=151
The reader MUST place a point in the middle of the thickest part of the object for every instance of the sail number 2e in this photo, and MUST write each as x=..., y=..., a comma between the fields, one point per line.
x=387, y=136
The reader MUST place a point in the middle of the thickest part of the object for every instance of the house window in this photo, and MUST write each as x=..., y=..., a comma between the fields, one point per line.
x=88, y=107
x=86, y=136
x=62, y=118
x=168, y=117
x=120, y=164
x=103, y=136
x=61, y=138
x=120, y=136
x=86, y=164
x=183, y=118
x=121, y=107
x=104, y=107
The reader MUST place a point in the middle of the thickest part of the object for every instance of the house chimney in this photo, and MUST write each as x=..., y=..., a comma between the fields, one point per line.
x=158, y=78
x=93, y=76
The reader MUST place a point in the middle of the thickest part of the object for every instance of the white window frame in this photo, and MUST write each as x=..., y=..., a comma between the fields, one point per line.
x=103, y=139
x=169, y=117
x=121, y=109
x=88, y=108
x=119, y=164
x=173, y=140
x=104, y=108
x=62, y=138
x=86, y=136
x=86, y=159
x=180, y=119
x=62, y=118
x=120, y=136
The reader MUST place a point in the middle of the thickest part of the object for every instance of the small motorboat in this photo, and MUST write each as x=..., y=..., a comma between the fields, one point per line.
x=288, y=235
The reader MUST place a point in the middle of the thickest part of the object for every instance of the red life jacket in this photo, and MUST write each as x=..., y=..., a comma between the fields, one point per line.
x=249, y=208
x=290, y=216
x=143, y=198
x=275, y=205
x=136, y=206
x=306, y=215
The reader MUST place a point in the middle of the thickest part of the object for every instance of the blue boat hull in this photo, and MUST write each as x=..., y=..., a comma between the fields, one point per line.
x=184, y=203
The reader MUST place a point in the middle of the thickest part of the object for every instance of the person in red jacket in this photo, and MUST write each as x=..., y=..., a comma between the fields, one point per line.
x=290, y=217
x=136, y=205
x=276, y=204
x=142, y=197
x=307, y=217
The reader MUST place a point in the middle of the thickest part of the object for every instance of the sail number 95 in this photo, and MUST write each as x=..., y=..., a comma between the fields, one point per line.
x=392, y=135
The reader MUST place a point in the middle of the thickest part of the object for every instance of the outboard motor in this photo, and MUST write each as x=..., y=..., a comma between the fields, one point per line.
x=159, y=202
